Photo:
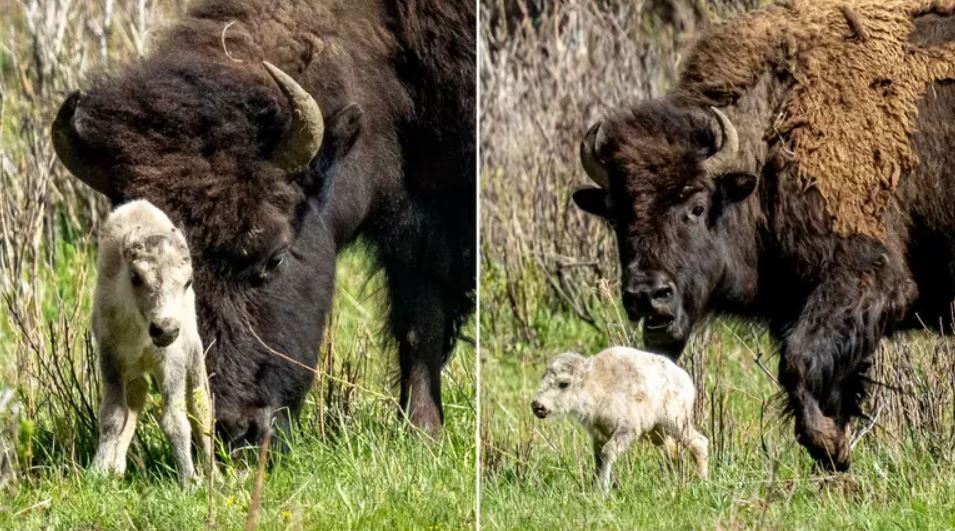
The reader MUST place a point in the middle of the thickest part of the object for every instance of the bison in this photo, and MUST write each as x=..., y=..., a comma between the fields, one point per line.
x=700, y=187
x=275, y=134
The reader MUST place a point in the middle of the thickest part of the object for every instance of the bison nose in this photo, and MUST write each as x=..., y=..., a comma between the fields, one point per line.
x=539, y=410
x=652, y=295
x=163, y=332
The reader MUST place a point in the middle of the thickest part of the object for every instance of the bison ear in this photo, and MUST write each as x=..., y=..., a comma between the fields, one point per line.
x=342, y=132
x=344, y=127
x=593, y=201
x=73, y=150
x=735, y=187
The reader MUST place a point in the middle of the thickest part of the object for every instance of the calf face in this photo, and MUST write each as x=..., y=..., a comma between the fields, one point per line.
x=664, y=187
x=559, y=386
x=159, y=279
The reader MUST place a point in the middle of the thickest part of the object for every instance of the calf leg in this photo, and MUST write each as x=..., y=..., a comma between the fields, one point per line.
x=135, y=400
x=824, y=359
x=612, y=449
x=698, y=446
x=114, y=415
x=662, y=439
x=175, y=420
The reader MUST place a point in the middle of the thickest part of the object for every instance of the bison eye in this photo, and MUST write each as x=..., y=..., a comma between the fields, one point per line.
x=697, y=211
x=135, y=279
x=274, y=261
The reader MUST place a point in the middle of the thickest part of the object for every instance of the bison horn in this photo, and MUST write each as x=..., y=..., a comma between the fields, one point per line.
x=73, y=150
x=729, y=147
x=304, y=137
x=589, y=147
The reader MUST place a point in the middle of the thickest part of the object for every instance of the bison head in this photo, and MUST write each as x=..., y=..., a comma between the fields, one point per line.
x=667, y=183
x=243, y=159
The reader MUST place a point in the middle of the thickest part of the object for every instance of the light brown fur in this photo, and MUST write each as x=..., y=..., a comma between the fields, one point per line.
x=856, y=79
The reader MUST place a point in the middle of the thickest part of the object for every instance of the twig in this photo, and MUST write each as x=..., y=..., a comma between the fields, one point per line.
x=225, y=48
x=255, y=506
x=868, y=427
x=852, y=18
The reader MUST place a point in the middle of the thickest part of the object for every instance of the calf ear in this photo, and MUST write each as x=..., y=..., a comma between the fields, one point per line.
x=735, y=187
x=593, y=201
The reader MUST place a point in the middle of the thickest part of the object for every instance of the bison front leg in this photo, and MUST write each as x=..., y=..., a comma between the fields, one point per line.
x=421, y=326
x=825, y=355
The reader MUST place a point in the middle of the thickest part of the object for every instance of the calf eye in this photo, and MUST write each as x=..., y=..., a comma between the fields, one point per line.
x=563, y=385
x=188, y=285
x=135, y=279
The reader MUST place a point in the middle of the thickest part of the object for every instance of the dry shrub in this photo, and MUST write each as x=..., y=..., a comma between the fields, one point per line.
x=47, y=218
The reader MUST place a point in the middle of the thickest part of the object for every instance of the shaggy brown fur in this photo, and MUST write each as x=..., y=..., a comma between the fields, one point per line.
x=850, y=114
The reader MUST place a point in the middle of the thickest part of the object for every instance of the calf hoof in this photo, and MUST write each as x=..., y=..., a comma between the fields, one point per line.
x=826, y=443
x=190, y=483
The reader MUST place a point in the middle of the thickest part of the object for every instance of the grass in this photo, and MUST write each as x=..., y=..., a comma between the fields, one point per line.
x=538, y=474
x=351, y=464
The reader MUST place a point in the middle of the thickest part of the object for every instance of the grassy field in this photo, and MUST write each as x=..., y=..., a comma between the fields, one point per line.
x=351, y=465
x=538, y=474
x=549, y=285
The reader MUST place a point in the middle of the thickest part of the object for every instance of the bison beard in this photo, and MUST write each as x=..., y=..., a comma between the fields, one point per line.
x=747, y=237
x=271, y=171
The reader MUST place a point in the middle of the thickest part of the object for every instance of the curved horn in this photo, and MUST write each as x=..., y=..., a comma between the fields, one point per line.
x=729, y=146
x=304, y=137
x=588, y=156
x=73, y=151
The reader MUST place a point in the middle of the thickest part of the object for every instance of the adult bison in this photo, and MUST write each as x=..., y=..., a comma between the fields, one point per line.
x=276, y=133
x=714, y=210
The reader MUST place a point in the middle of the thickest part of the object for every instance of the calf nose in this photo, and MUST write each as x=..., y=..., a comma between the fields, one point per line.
x=163, y=332
x=651, y=294
x=539, y=410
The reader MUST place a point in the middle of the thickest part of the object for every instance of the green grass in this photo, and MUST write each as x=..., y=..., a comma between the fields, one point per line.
x=538, y=474
x=352, y=464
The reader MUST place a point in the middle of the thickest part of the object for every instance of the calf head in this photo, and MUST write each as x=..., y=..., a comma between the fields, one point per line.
x=242, y=158
x=560, y=385
x=667, y=182
x=158, y=274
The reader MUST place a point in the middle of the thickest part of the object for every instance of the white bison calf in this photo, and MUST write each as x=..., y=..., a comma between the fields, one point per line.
x=619, y=395
x=144, y=321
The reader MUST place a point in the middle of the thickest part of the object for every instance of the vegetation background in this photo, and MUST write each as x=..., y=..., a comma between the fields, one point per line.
x=351, y=464
x=549, y=284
